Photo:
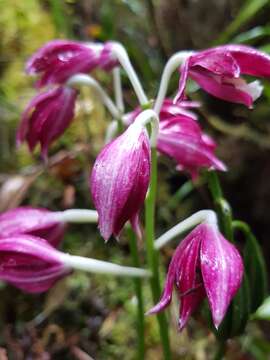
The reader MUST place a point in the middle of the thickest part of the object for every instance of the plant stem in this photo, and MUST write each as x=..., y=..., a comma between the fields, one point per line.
x=101, y=267
x=220, y=351
x=118, y=90
x=221, y=204
x=152, y=254
x=139, y=294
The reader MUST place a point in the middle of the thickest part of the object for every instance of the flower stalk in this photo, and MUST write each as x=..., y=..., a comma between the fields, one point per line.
x=172, y=64
x=139, y=294
x=118, y=90
x=87, y=80
x=208, y=216
x=152, y=254
x=123, y=58
x=78, y=216
x=102, y=267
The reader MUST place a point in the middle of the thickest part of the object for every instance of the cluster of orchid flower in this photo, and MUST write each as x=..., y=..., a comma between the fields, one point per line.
x=205, y=264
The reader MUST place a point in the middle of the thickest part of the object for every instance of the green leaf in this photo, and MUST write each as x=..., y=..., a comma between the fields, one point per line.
x=247, y=12
x=252, y=35
x=254, y=266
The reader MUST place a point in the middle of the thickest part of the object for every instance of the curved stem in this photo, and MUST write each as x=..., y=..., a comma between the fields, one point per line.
x=221, y=204
x=122, y=56
x=172, y=64
x=146, y=117
x=101, y=267
x=152, y=255
x=77, y=216
x=111, y=131
x=195, y=219
x=82, y=79
x=118, y=89
x=139, y=295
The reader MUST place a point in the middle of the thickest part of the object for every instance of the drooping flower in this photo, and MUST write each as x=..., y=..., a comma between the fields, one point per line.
x=58, y=60
x=204, y=264
x=32, y=221
x=181, y=138
x=120, y=179
x=46, y=117
x=30, y=263
x=218, y=71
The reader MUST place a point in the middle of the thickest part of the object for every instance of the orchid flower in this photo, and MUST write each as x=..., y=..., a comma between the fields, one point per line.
x=32, y=221
x=204, y=264
x=181, y=138
x=46, y=117
x=218, y=71
x=58, y=60
x=120, y=178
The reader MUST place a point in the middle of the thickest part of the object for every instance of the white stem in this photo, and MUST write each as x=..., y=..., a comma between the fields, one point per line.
x=82, y=79
x=101, y=267
x=146, y=117
x=111, y=131
x=208, y=216
x=122, y=56
x=172, y=64
x=77, y=216
x=118, y=90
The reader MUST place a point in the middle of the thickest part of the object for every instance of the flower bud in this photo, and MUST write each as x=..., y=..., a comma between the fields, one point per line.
x=120, y=179
x=30, y=263
x=32, y=221
x=204, y=264
x=46, y=118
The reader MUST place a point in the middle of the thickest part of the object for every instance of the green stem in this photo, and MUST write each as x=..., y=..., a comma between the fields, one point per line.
x=152, y=255
x=222, y=206
x=139, y=294
x=220, y=351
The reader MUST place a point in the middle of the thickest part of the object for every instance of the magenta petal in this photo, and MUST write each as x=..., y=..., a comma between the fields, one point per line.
x=46, y=117
x=221, y=90
x=216, y=61
x=33, y=221
x=30, y=263
x=58, y=60
x=222, y=271
x=166, y=296
x=189, y=152
x=120, y=179
x=191, y=291
x=182, y=81
x=172, y=276
x=251, y=61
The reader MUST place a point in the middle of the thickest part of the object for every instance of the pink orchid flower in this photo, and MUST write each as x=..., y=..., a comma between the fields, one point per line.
x=32, y=221
x=204, y=264
x=119, y=180
x=30, y=263
x=182, y=139
x=46, y=117
x=58, y=60
x=218, y=71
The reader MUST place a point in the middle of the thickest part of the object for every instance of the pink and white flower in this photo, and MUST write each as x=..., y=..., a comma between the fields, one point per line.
x=38, y=222
x=30, y=263
x=58, y=60
x=218, y=71
x=204, y=264
x=120, y=179
x=46, y=117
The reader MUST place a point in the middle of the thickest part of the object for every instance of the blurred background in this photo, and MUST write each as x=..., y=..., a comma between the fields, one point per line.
x=83, y=316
